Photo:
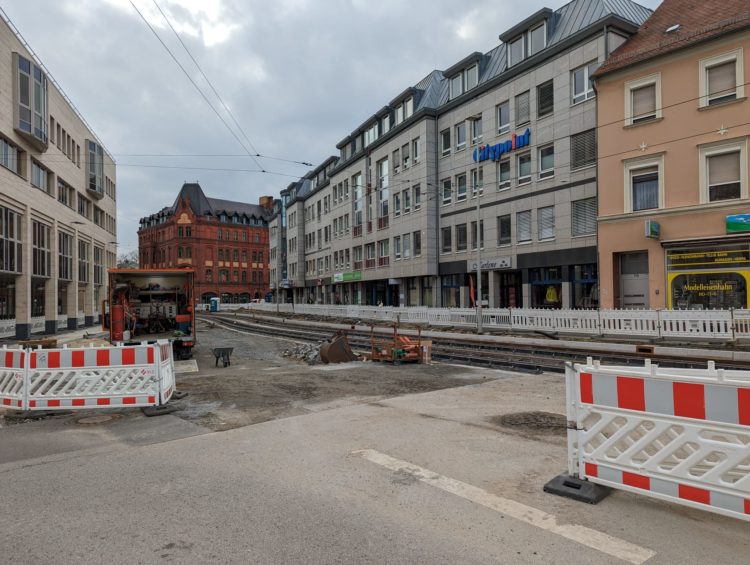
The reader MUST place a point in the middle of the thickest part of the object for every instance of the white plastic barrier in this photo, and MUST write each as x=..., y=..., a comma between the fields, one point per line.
x=7, y=328
x=641, y=323
x=90, y=377
x=673, y=434
x=711, y=324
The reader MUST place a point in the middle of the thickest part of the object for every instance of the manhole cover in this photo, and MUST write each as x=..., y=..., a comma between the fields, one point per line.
x=537, y=421
x=98, y=419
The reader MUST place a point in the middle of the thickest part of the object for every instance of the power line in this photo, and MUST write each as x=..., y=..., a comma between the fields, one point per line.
x=203, y=95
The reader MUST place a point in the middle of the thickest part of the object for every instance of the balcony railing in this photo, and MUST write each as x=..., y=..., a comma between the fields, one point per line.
x=357, y=231
x=383, y=223
x=384, y=261
x=358, y=265
x=369, y=263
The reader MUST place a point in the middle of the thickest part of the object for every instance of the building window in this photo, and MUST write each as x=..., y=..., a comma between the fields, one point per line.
x=447, y=192
x=537, y=39
x=583, y=149
x=83, y=261
x=546, y=222
x=546, y=161
x=9, y=156
x=476, y=129
x=408, y=107
x=397, y=204
x=397, y=247
x=477, y=181
x=10, y=241
x=643, y=99
x=417, y=239
x=65, y=256
x=445, y=142
x=447, y=244
x=406, y=195
x=523, y=109
x=722, y=78
x=456, y=86
x=723, y=171
x=84, y=206
x=503, y=230
x=474, y=234
x=644, y=184
x=30, y=98
x=516, y=51
x=98, y=265
x=583, y=212
x=503, y=117
x=461, y=241
x=39, y=176
x=40, y=249
x=503, y=174
x=523, y=226
x=545, y=99
x=460, y=188
x=405, y=156
x=95, y=167
x=524, y=168
x=415, y=151
x=396, y=162
x=472, y=76
x=417, y=192
x=460, y=136
x=583, y=89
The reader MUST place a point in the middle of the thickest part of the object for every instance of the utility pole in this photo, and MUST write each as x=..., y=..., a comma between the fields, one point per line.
x=479, y=263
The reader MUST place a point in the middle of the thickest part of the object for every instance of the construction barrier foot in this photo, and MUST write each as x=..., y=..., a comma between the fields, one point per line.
x=179, y=394
x=577, y=489
x=159, y=410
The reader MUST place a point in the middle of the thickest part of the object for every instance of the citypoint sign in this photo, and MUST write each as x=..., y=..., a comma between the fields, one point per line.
x=494, y=152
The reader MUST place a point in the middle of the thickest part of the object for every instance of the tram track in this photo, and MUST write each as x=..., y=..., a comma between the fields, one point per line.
x=516, y=356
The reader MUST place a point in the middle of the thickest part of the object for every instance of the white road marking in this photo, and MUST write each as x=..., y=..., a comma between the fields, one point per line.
x=594, y=539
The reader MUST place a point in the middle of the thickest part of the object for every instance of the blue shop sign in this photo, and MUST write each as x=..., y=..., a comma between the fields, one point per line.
x=494, y=152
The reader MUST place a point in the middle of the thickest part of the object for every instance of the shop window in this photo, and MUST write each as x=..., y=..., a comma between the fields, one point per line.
x=450, y=286
x=546, y=287
x=585, y=286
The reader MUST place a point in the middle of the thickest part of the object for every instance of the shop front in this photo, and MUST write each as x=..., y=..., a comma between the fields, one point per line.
x=708, y=277
x=344, y=285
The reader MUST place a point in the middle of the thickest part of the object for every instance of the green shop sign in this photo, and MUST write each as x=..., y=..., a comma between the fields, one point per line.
x=347, y=277
x=738, y=223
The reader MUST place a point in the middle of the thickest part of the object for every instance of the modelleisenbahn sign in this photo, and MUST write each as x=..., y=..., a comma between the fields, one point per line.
x=494, y=152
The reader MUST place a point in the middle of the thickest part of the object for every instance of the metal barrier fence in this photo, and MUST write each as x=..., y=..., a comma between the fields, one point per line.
x=705, y=325
x=88, y=377
x=678, y=435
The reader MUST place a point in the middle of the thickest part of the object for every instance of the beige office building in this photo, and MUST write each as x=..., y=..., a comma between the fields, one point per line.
x=57, y=202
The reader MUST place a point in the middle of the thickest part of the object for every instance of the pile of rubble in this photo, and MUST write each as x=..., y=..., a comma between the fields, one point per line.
x=307, y=352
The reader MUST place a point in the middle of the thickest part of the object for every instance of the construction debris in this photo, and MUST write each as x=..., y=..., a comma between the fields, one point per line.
x=307, y=352
x=337, y=350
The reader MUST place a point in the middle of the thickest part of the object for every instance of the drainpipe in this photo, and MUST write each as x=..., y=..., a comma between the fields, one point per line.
x=436, y=184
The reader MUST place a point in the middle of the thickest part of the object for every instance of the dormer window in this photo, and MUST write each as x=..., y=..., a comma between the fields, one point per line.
x=385, y=124
x=516, y=51
x=408, y=108
x=399, y=114
x=457, y=88
x=537, y=38
x=371, y=134
x=465, y=80
x=472, y=76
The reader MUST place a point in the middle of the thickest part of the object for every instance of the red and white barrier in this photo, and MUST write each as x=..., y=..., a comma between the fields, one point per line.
x=89, y=377
x=673, y=434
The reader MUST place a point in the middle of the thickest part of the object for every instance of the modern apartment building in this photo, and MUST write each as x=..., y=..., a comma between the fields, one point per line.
x=674, y=228
x=57, y=201
x=393, y=219
x=225, y=241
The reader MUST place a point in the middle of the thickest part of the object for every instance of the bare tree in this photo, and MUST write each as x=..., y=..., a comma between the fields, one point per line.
x=128, y=260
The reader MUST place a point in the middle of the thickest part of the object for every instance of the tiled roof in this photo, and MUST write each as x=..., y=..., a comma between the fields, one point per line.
x=202, y=205
x=698, y=20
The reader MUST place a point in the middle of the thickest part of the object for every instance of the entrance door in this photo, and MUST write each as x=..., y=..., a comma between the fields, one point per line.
x=634, y=280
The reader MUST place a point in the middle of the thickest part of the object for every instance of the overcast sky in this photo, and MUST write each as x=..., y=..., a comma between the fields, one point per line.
x=299, y=75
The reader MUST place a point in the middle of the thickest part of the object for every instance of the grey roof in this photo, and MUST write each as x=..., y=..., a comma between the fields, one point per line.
x=201, y=205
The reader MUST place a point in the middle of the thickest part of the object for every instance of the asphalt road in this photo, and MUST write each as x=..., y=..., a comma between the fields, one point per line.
x=299, y=490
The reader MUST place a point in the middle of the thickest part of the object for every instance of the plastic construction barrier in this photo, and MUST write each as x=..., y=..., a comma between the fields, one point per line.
x=678, y=435
x=89, y=377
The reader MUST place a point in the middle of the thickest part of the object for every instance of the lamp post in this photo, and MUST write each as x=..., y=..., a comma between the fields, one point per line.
x=479, y=262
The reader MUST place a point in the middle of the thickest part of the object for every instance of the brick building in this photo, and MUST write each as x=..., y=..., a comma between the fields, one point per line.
x=225, y=241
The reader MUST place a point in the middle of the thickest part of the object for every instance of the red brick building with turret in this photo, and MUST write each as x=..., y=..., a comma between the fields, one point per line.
x=226, y=242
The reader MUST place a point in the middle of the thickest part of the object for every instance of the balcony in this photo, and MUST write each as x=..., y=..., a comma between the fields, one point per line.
x=369, y=263
x=383, y=223
x=384, y=261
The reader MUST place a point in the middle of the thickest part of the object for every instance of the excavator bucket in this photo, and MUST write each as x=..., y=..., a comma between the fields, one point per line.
x=337, y=351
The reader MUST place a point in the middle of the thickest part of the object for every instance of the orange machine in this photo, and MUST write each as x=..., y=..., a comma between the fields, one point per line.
x=399, y=349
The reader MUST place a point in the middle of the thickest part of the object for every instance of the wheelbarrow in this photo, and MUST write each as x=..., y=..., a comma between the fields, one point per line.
x=223, y=353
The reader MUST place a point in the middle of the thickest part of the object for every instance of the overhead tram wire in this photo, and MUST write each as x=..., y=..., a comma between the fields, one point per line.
x=218, y=96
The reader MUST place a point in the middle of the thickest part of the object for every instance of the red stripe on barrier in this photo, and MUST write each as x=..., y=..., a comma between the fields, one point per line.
x=631, y=394
x=102, y=401
x=102, y=357
x=150, y=355
x=152, y=399
x=695, y=494
x=128, y=356
x=32, y=403
x=53, y=403
x=78, y=359
x=6, y=401
x=129, y=400
x=9, y=359
x=591, y=470
x=747, y=506
x=635, y=480
x=689, y=400
x=32, y=361
x=53, y=360
x=743, y=401
x=79, y=402
x=587, y=389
